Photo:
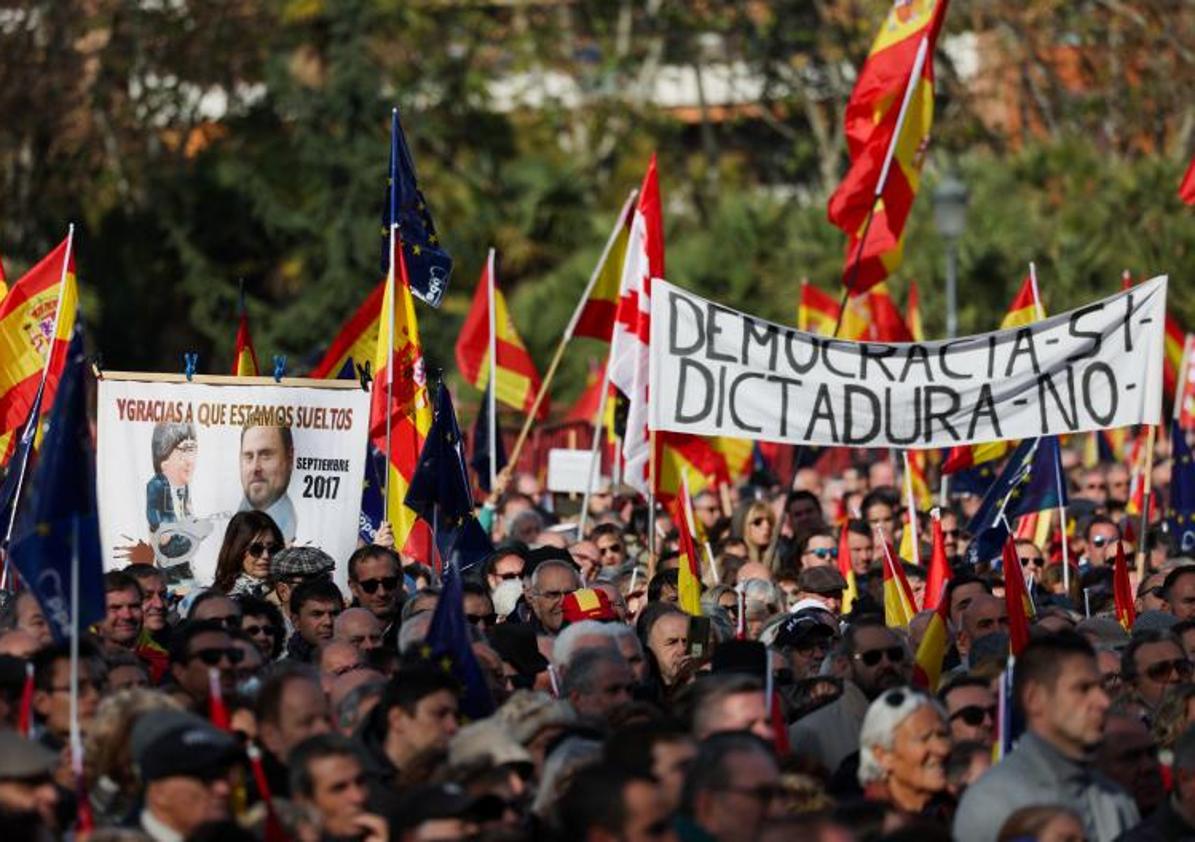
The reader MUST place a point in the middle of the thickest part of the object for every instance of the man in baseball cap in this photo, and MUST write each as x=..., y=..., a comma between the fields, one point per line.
x=185, y=764
x=804, y=639
x=28, y=797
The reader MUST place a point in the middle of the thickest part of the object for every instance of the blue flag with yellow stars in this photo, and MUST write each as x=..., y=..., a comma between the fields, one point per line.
x=428, y=266
x=448, y=643
x=1182, y=491
x=57, y=530
x=439, y=490
x=1031, y=482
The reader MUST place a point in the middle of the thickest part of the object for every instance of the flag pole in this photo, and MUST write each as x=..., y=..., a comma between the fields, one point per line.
x=567, y=336
x=390, y=293
x=1041, y=311
x=595, y=449
x=492, y=409
x=910, y=88
x=1066, y=561
x=1148, y=479
x=45, y=374
x=912, y=508
x=76, y=752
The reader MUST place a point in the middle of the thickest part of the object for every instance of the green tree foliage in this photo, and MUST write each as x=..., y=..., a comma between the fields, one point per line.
x=197, y=144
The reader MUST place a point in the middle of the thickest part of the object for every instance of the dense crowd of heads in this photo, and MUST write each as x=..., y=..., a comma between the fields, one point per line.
x=278, y=704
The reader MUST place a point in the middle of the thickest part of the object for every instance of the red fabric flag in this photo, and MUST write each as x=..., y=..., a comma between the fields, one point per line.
x=274, y=830
x=939, y=572
x=1186, y=190
x=1122, y=590
x=25, y=714
x=897, y=77
x=1015, y=598
x=217, y=711
x=244, y=358
x=817, y=311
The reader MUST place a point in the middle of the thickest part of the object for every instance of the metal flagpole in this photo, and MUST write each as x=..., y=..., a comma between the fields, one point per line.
x=390, y=293
x=493, y=355
x=572, y=326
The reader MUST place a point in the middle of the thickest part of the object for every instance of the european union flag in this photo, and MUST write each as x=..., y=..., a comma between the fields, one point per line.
x=449, y=645
x=1182, y=491
x=440, y=485
x=429, y=267
x=1031, y=482
x=58, y=529
x=481, y=445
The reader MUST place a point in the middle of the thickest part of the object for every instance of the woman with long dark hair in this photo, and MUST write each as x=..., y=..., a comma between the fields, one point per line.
x=243, y=565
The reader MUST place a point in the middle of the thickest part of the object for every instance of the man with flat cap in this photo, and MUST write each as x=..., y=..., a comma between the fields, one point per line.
x=185, y=765
x=28, y=797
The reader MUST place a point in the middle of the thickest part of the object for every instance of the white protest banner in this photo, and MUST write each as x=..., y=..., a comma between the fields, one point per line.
x=718, y=372
x=176, y=460
x=569, y=470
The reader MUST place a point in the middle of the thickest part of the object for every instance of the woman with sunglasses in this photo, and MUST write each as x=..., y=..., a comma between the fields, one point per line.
x=903, y=748
x=754, y=524
x=243, y=565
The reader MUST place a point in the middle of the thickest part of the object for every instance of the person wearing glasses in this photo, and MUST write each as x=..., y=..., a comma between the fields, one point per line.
x=1129, y=756
x=820, y=550
x=1153, y=661
x=970, y=710
x=376, y=583
x=1099, y=539
x=1033, y=563
x=196, y=649
x=552, y=577
x=1056, y=686
x=873, y=658
x=243, y=564
x=168, y=492
x=903, y=748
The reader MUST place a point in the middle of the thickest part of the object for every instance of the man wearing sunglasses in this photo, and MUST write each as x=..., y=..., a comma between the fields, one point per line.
x=1056, y=685
x=820, y=550
x=1153, y=661
x=197, y=648
x=375, y=581
x=1100, y=538
x=971, y=710
x=874, y=658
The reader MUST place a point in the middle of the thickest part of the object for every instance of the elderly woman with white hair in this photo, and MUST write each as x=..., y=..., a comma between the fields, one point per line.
x=903, y=748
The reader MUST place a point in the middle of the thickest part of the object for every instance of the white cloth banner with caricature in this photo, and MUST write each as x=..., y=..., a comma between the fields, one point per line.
x=176, y=460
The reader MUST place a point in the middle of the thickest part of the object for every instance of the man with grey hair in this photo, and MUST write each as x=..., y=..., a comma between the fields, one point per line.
x=597, y=682
x=728, y=788
x=578, y=637
x=730, y=702
x=545, y=587
x=1175, y=818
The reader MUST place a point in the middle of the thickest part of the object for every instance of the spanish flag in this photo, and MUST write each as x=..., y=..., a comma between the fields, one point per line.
x=738, y=453
x=1016, y=599
x=817, y=311
x=895, y=84
x=844, y=567
x=680, y=455
x=410, y=412
x=37, y=317
x=596, y=319
x=1025, y=308
x=899, y=605
x=1122, y=590
x=1186, y=188
x=3, y=282
x=244, y=357
x=873, y=316
x=927, y=667
x=689, y=571
x=913, y=313
x=357, y=341
x=517, y=380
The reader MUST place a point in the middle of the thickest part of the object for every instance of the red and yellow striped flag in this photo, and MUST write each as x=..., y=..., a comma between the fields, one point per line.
x=411, y=411
x=844, y=567
x=899, y=605
x=1016, y=599
x=899, y=71
x=597, y=315
x=689, y=571
x=817, y=311
x=1025, y=308
x=244, y=357
x=357, y=341
x=681, y=455
x=927, y=668
x=913, y=313
x=1122, y=590
x=32, y=330
x=517, y=380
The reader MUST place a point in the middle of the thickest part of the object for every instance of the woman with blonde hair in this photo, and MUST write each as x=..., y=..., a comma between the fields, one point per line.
x=755, y=523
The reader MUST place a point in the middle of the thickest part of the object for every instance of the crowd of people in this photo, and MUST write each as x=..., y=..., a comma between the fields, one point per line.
x=275, y=705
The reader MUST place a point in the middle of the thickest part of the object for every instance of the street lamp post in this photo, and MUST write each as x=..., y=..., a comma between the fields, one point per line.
x=950, y=218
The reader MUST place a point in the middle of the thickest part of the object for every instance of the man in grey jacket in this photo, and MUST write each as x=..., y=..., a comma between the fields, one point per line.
x=1057, y=688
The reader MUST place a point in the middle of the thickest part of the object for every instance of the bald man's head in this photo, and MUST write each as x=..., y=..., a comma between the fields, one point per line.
x=359, y=627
